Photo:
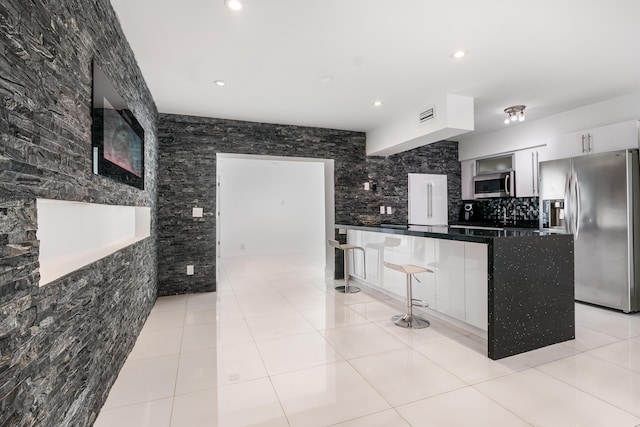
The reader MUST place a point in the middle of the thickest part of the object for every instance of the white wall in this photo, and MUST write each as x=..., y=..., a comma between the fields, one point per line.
x=271, y=206
x=534, y=133
x=74, y=234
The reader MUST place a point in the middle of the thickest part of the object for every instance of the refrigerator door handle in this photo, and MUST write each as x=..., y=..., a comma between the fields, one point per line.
x=568, y=218
x=428, y=200
x=431, y=200
x=577, y=204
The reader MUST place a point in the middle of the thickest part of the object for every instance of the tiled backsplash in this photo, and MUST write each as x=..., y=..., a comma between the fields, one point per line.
x=526, y=208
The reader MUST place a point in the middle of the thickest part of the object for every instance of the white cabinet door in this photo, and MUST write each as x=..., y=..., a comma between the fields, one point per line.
x=377, y=246
x=526, y=166
x=356, y=257
x=428, y=200
x=450, y=278
x=476, y=284
x=467, y=172
x=399, y=253
x=618, y=136
x=565, y=146
x=424, y=255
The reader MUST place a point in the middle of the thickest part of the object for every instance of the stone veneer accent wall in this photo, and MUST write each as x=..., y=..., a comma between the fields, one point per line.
x=62, y=345
x=187, y=178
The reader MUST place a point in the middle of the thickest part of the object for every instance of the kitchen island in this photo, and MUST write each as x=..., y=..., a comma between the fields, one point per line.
x=516, y=285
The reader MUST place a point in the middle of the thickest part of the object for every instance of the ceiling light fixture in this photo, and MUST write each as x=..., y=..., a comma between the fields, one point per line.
x=459, y=54
x=233, y=4
x=514, y=113
x=220, y=82
x=377, y=103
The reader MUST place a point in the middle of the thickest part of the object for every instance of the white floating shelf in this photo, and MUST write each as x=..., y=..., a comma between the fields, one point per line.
x=75, y=234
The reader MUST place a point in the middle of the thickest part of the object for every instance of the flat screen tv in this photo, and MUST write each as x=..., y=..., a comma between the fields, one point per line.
x=118, y=138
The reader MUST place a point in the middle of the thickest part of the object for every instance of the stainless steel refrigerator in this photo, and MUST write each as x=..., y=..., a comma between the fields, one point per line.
x=596, y=198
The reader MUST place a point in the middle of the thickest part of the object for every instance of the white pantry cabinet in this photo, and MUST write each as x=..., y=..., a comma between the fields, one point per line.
x=617, y=136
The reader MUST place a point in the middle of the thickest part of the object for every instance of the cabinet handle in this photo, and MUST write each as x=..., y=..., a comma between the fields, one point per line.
x=535, y=171
x=583, y=138
x=590, y=142
x=533, y=174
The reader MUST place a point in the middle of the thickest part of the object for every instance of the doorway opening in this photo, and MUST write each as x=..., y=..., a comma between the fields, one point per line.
x=270, y=205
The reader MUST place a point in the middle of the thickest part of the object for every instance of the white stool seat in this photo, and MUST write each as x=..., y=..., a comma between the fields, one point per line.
x=408, y=320
x=407, y=268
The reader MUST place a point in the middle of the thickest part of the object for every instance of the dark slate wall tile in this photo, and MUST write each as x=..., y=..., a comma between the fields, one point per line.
x=62, y=345
x=187, y=178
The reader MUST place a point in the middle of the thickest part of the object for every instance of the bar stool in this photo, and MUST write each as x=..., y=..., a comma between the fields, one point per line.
x=346, y=289
x=408, y=320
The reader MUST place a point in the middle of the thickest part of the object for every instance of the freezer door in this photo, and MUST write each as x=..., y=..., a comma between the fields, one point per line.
x=428, y=201
x=602, y=270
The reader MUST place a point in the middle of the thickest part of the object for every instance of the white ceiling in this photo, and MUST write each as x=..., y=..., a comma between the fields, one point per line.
x=552, y=55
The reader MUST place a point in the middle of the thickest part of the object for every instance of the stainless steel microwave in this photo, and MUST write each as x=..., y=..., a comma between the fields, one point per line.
x=498, y=184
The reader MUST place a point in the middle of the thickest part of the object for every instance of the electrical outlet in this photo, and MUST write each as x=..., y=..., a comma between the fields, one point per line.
x=189, y=270
x=197, y=212
x=366, y=186
x=388, y=210
x=382, y=209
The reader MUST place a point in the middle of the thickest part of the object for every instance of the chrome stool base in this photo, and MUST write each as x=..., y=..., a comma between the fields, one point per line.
x=410, y=321
x=347, y=289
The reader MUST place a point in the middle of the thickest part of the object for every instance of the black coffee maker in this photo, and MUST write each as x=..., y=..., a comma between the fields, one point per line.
x=469, y=212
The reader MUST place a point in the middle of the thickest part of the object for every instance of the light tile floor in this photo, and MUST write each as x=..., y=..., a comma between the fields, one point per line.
x=277, y=346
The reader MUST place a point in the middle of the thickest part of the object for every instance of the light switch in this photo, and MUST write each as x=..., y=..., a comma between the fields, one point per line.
x=388, y=210
x=366, y=186
x=197, y=212
x=382, y=209
x=189, y=270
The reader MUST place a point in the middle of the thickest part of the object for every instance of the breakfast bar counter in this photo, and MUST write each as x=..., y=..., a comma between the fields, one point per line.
x=514, y=284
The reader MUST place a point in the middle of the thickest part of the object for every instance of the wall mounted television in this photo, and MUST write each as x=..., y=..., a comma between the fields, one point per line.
x=117, y=137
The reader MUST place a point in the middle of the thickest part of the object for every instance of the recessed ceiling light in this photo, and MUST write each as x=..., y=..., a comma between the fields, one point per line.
x=377, y=103
x=233, y=4
x=459, y=54
x=220, y=82
x=326, y=79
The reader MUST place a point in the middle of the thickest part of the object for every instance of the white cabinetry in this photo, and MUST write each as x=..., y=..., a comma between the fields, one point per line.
x=618, y=136
x=458, y=286
x=526, y=167
x=467, y=172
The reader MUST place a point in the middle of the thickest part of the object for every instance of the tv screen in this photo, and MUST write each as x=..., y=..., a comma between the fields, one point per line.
x=118, y=138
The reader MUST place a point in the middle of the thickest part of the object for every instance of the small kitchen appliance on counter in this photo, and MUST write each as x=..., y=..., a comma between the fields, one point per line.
x=469, y=212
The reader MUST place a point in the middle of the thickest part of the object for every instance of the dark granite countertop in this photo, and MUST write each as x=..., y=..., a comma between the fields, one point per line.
x=444, y=232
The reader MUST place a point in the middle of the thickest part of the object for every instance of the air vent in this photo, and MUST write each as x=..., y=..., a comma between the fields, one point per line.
x=427, y=115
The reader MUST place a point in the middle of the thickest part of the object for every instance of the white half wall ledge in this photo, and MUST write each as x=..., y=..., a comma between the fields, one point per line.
x=75, y=234
x=454, y=115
